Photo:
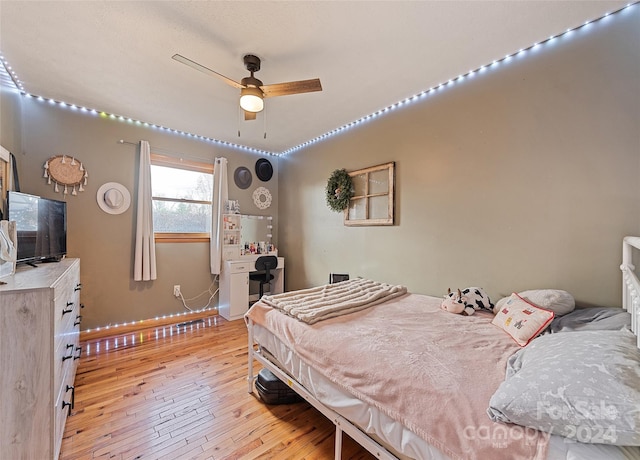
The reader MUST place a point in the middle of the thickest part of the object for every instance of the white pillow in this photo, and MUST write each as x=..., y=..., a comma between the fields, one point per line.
x=522, y=320
x=558, y=301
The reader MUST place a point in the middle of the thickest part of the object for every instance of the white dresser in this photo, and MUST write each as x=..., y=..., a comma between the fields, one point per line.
x=39, y=352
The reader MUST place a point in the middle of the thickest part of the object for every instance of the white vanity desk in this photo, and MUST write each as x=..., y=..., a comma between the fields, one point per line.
x=234, y=285
x=244, y=236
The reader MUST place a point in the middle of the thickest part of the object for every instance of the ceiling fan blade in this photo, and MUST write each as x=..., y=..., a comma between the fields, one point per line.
x=208, y=71
x=292, y=87
x=249, y=115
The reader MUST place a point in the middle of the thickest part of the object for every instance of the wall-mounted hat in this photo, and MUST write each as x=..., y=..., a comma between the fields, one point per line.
x=264, y=170
x=242, y=177
x=113, y=198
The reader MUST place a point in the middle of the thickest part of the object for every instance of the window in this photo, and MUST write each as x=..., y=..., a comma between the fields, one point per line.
x=181, y=192
x=372, y=203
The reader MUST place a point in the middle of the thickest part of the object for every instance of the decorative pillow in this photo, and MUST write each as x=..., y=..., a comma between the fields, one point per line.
x=521, y=319
x=558, y=301
x=583, y=385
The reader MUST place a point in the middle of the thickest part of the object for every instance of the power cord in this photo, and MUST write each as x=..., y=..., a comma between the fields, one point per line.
x=208, y=291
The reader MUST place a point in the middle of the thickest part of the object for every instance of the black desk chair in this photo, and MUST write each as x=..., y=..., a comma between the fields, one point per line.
x=264, y=265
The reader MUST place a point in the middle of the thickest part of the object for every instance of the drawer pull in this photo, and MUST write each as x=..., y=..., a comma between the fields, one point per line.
x=73, y=395
x=67, y=310
x=70, y=355
x=81, y=305
x=67, y=404
x=78, y=319
x=79, y=352
x=78, y=287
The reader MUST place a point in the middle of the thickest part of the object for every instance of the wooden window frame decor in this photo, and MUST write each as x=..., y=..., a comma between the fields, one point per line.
x=367, y=206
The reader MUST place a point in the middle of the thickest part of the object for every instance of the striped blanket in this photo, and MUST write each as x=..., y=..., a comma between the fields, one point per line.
x=331, y=300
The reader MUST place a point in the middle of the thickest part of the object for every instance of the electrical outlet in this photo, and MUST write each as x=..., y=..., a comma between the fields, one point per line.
x=176, y=290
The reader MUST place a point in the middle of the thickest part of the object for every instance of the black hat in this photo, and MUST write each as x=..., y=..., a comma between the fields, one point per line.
x=264, y=170
x=242, y=177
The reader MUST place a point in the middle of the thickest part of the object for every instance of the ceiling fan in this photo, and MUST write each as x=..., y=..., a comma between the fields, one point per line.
x=252, y=91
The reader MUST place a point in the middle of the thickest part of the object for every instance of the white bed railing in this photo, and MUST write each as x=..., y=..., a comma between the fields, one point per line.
x=630, y=283
x=341, y=423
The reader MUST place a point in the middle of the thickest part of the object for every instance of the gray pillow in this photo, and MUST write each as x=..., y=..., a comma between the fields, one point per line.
x=582, y=385
x=593, y=318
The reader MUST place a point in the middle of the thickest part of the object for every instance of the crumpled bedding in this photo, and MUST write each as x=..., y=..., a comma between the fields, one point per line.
x=432, y=371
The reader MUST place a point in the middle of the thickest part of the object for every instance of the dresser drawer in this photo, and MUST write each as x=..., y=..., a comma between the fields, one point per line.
x=65, y=346
x=63, y=403
x=67, y=286
x=66, y=324
x=67, y=293
x=241, y=267
x=66, y=355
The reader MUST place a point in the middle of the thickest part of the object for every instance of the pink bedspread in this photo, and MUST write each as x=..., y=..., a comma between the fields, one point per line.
x=431, y=370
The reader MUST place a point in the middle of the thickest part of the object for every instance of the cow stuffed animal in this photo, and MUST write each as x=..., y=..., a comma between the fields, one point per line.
x=467, y=301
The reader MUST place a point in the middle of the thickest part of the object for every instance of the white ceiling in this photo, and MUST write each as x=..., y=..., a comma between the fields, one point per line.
x=115, y=56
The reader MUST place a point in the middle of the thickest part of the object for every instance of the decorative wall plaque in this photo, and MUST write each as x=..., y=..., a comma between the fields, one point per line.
x=66, y=171
x=262, y=197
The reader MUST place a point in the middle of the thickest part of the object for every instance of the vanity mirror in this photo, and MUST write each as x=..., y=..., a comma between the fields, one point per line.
x=256, y=234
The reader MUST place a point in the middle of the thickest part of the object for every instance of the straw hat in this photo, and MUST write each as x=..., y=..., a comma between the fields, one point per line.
x=113, y=198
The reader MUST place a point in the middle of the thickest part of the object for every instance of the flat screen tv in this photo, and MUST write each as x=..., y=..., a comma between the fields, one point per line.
x=41, y=225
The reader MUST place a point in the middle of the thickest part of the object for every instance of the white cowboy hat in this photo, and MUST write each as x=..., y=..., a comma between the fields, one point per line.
x=113, y=198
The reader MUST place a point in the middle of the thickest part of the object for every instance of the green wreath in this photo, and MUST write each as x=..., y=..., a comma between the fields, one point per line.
x=339, y=190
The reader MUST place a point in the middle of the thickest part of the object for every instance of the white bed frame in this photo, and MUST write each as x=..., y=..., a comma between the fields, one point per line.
x=630, y=302
x=341, y=423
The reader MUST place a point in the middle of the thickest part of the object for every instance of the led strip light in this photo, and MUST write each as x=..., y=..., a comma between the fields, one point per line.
x=6, y=70
x=147, y=321
x=459, y=78
x=417, y=97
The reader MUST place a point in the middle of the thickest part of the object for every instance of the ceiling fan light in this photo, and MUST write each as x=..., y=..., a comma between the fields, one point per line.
x=251, y=99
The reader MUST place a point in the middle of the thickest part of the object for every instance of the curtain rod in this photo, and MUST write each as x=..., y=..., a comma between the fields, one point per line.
x=168, y=152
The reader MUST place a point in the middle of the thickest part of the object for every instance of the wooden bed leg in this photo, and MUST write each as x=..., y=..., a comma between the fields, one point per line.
x=338, y=447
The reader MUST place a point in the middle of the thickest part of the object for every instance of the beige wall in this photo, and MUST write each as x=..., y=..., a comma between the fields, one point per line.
x=526, y=176
x=104, y=242
x=10, y=114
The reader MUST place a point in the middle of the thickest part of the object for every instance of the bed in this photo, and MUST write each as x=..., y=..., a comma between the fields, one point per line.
x=406, y=379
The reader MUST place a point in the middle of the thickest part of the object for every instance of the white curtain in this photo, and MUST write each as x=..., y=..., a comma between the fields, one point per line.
x=144, y=264
x=218, y=200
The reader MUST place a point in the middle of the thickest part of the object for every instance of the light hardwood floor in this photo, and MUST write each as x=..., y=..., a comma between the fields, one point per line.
x=180, y=393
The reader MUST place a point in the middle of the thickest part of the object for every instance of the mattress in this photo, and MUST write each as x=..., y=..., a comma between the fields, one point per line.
x=393, y=435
